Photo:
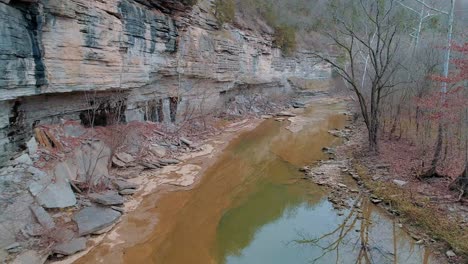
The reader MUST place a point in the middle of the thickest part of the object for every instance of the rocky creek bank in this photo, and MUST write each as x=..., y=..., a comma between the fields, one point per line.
x=351, y=175
x=72, y=184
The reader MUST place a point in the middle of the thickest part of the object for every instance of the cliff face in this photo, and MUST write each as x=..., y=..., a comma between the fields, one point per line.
x=62, y=57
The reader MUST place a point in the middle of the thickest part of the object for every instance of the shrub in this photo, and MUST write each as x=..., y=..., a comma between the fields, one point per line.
x=189, y=2
x=285, y=38
x=225, y=11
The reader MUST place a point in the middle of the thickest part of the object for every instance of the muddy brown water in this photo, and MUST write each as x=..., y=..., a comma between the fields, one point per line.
x=252, y=206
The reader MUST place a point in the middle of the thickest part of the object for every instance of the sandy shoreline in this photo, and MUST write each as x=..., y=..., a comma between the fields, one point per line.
x=183, y=176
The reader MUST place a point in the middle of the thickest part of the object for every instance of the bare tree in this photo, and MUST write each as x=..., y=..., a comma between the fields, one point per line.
x=380, y=44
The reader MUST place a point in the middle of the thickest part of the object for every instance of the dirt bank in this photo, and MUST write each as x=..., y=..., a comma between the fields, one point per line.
x=427, y=210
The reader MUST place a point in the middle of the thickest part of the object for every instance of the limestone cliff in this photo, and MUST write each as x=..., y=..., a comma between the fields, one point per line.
x=60, y=57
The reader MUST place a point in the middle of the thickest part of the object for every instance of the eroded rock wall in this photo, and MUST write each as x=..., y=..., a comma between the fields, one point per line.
x=58, y=57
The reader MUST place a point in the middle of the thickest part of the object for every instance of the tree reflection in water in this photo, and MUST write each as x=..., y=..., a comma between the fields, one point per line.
x=353, y=236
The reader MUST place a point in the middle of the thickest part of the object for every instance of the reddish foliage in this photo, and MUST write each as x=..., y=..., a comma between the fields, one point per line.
x=448, y=106
x=433, y=109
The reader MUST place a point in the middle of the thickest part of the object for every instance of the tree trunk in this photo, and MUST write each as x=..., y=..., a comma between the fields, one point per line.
x=461, y=183
x=432, y=172
x=373, y=132
x=395, y=121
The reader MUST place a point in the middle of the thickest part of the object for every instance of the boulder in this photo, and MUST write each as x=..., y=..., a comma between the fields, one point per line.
x=128, y=192
x=342, y=185
x=157, y=150
x=150, y=165
x=118, y=209
x=186, y=141
x=328, y=150
x=125, y=157
x=32, y=146
x=66, y=171
x=298, y=105
x=70, y=247
x=92, y=159
x=107, y=198
x=382, y=166
x=63, y=234
x=92, y=219
x=105, y=230
x=118, y=163
x=37, y=173
x=335, y=133
x=42, y=217
x=14, y=212
x=450, y=254
x=400, y=182
x=30, y=257
x=50, y=194
x=169, y=161
x=24, y=159
x=122, y=185
x=285, y=114
x=13, y=247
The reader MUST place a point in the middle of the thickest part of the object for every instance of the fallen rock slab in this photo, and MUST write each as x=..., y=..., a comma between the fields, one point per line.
x=42, y=217
x=299, y=105
x=157, y=150
x=53, y=194
x=30, y=257
x=186, y=141
x=11, y=248
x=125, y=157
x=92, y=160
x=92, y=219
x=128, y=192
x=32, y=146
x=169, y=161
x=150, y=165
x=118, y=163
x=107, y=198
x=118, y=209
x=24, y=159
x=122, y=185
x=105, y=230
x=70, y=247
x=285, y=114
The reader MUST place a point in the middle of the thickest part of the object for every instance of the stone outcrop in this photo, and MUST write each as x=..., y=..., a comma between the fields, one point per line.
x=93, y=219
x=60, y=58
x=70, y=247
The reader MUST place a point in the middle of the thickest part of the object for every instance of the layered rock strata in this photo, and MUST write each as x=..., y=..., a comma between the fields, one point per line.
x=146, y=59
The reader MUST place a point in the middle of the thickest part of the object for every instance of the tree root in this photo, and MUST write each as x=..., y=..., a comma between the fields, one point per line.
x=460, y=184
x=431, y=173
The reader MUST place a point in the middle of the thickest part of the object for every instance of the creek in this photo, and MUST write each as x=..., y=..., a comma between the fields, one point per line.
x=253, y=206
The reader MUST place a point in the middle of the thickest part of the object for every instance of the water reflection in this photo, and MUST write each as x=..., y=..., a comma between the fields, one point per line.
x=314, y=233
x=364, y=236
